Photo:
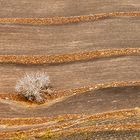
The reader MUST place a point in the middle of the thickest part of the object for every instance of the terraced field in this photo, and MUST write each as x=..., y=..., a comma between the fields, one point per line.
x=90, y=49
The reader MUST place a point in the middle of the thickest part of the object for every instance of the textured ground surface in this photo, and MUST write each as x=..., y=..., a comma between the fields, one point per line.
x=110, y=33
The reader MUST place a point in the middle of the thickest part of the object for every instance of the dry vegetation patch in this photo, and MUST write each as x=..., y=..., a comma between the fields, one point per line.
x=67, y=20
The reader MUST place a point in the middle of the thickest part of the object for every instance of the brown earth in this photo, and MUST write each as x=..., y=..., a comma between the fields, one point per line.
x=74, y=75
x=122, y=120
x=102, y=34
x=51, y=8
x=110, y=33
x=92, y=102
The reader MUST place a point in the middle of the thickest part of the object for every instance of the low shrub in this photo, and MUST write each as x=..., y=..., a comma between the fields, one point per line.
x=32, y=85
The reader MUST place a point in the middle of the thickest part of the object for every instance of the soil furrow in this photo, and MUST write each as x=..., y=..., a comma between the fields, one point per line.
x=66, y=20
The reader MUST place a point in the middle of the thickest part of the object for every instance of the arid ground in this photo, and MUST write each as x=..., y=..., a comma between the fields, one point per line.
x=91, y=51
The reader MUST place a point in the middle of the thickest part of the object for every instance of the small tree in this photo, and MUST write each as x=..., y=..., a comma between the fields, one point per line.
x=32, y=85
